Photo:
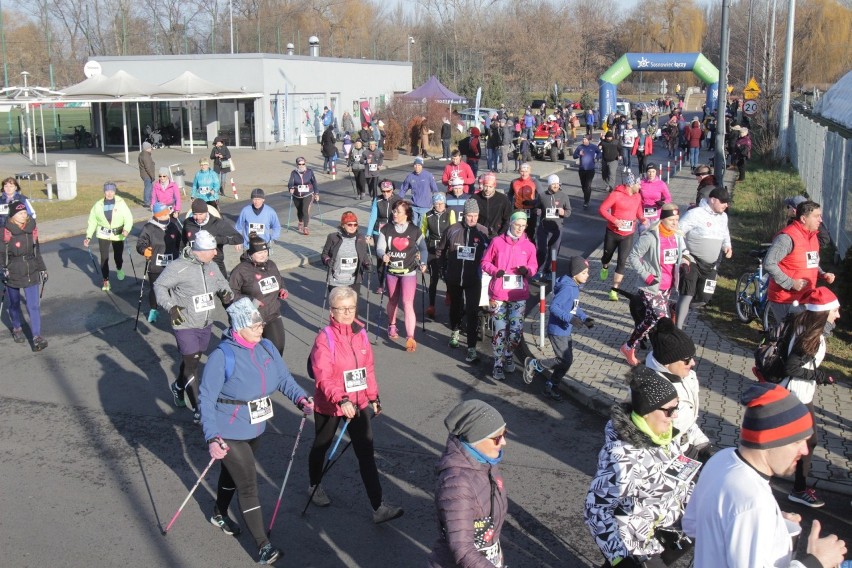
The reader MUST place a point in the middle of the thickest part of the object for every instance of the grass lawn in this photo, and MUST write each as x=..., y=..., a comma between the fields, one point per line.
x=81, y=205
x=754, y=217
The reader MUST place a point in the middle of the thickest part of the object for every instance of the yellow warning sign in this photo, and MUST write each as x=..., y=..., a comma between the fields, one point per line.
x=752, y=90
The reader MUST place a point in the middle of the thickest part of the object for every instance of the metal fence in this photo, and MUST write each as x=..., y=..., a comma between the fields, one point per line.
x=822, y=153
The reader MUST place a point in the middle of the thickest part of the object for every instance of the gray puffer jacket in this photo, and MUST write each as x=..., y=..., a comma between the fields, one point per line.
x=472, y=503
x=645, y=258
x=192, y=285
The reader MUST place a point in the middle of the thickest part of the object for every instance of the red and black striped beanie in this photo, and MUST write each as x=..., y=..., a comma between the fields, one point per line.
x=773, y=417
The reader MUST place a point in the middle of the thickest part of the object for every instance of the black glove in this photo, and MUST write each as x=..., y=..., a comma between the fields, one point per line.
x=500, y=274
x=176, y=313
x=4, y=275
x=43, y=275
x=523, y=271
x=659, y=203
x=590, y=323
x=226, y=296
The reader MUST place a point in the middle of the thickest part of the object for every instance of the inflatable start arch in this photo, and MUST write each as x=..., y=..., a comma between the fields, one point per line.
x=647, y=62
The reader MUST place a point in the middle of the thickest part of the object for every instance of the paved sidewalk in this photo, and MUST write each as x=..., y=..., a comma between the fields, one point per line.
x=597, y=377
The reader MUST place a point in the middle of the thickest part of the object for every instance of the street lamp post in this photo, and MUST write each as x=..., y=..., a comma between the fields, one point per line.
x=410, y=43
x=231, y=12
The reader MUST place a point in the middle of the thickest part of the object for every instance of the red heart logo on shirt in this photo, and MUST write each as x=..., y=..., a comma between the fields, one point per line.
x=399, y=243
x=257, y=276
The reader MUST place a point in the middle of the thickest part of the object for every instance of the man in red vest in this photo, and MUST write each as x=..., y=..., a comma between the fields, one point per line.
x=793, y=259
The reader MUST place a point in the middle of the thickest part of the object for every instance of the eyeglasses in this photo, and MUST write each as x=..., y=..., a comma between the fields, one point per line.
x=669, y=412
x=345, y=309
x=500, y=437
x=300, y=163
x=351, y=224
x=258, y=325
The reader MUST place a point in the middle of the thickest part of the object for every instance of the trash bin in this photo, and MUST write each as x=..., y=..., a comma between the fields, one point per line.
x=66, y=179
x=178, y=176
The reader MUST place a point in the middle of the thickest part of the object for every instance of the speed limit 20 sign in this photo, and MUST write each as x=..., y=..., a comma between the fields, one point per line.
x=750, y=107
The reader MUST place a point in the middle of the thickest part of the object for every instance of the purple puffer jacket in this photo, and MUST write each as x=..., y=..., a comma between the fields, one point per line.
x=507, y=254
x=472, y=504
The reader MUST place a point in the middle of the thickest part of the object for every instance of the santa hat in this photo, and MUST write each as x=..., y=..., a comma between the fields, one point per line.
x=819, y=300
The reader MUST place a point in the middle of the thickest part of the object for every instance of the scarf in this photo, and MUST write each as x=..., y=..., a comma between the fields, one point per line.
x=663, y=439
x=479, y=457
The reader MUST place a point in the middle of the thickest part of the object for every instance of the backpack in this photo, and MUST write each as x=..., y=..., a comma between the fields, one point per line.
x=770, y=355
x=230, y=362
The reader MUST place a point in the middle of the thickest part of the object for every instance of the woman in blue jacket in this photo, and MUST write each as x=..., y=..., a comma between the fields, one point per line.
x=205, y=185
x=240, y=375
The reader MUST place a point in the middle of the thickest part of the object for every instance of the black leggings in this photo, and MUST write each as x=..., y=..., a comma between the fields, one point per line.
x=152, y=296
x=586, y=177
x=239, y=473
x=434, y=277
x=274, y=332
x=361, y=434
x=188, y=377
x=623, y=243
x=465, y=300
x=117, y=255
x=360, y=181
x=373, y=186
x=303, y=209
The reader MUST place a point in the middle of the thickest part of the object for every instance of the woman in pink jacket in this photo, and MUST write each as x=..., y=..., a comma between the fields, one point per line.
x=341, y=363
x=655, y=194
x=510, y=260
x=166, y=191
x=622, y=209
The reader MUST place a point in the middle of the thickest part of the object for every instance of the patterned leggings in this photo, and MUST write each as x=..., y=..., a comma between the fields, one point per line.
x=656, y=307
x=508, y=323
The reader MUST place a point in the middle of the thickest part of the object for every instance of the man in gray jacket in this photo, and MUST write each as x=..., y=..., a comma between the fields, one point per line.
x=147, y=172
x=185, y=289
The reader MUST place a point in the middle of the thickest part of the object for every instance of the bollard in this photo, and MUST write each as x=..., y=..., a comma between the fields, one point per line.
x=541, y=324
x=668, y=170
x=552, y=269
x=333, y=169
x=234, y=189
x=679, y=160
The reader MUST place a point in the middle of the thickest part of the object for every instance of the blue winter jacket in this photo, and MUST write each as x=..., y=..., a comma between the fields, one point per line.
x=564, y=307
x=590, y=154
x=267, y=217
x=258, y=372
x=422, y=187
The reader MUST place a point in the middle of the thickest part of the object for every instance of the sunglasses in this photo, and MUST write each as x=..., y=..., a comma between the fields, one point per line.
x=669, y=412
x=351, y=224
x=687, y=360
x=499, y=438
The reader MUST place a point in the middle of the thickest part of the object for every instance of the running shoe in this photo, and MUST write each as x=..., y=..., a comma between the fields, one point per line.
x=119, y=274
x=320, y=498
x=551, y=392
x=306, y=232
x=498, y=374
x=454, y=339
x=177, y=393
x=430, y=312
x=39, y=343
x=228, y=526
x=386, y=513
x=604, y=273
x=152, y=315
x=630, y=355
x=18, y=335
x=613, y=296
x=105, y=287
x=268, y=554
x=196, y=418
x=530, y=367
x=410, y=345
x=471, y=356
x=392, y=332
x=807, y=497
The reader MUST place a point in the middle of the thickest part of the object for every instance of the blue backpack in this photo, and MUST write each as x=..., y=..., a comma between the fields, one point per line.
x=230, y=360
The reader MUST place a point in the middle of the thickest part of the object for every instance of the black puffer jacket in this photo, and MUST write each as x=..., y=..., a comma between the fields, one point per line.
x=459, y=271
x=21, y=256
x=332, y=245
x=165, y=242
x=261, y=282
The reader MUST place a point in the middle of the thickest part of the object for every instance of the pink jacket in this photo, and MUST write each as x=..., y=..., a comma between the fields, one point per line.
x=652, y=192
x=351, y=351
x=507, y=254
x=169, y=195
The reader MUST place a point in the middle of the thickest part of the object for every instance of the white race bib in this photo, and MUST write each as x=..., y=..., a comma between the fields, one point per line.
x=205, y=190
x=4, y=208
x=625, y=225
x=260, y=410
x=302, y=188
x=465, y=253
x=812, y=259
x=355, y=380
x=268, y=285
x=103, y=232
x=682, y=468
x=163, y=260
x=373, y=167
x=513, y=282
x=650, y=211
x=551, y=213
x=258, y=228
x=709, y=286
x=669, y=256
x=348, y=264
x=396, y=264
x=203, y=302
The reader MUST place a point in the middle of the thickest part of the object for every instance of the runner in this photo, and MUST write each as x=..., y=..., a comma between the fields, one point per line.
x=160, y=243
x=111, y=221
x=357, y=168
x=258, y=278
x=462, y=248
x=22, y=268
x=522, y=195
x=435, y=223
x=494, y=208
x=240, y=375
x=304, y=190
x=346, y=254
x=260, y=219
x=185, y=289
x=372, y=159
x=458, y=168
x=221, y=229
x=402, y=248
x=655, y=193
x=510, y=261
x=553, y=208
x=456, y=197
x=622, y=208
x=345, y=386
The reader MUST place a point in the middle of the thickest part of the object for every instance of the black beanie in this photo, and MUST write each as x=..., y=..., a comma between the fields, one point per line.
x=199, y=206
x=649, y=391
x=256, y=244
x=578, y=265
x=669, y=343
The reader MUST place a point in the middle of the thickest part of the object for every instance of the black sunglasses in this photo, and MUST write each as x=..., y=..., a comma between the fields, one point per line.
x=669, y=412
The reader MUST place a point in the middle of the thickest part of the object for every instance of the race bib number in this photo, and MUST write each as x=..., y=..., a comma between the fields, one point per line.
x=669, y=256
x=709, y=286
x=682, y=468
x=348, y=264
x=625, y=225
x=163, y=260
x=465, y=253
x=355, y=380
x=483, y=540
x=103, y=232
x=205, y=190
x=260, y=410
x=258, y=228
x=268, y=285
x=513, y=282
x=551, y=213
x=302, y=188
x=373, y=167
x=650, y=211
x=396, y=264
x=203, y=302
x=4, y=208
x=812, y=259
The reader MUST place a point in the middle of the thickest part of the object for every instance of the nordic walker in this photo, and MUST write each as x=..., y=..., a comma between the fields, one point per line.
x=372, y=159
x=403, y=250
x=622, y=209
x=461, y=249
x=221, y=229
x=342, y=363
x=205, y=184
x=159, y=242
x=563, y=309
x=165, y=191
x=185, y=290
x=657, y=257
x=553, y=208
x=470, y=493
x=257, y=277
x=23, y=269
x=381, y=213
x=259, y=218
x=239, y=379
x=110, y=221
x=456, y=197
x=346, y=254
x=357, y=168
x=304, y=190
x=433, y=226
x=510, y=261
x=12, y=192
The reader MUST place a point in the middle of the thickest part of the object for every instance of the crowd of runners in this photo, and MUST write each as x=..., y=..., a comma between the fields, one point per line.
x=650, y=499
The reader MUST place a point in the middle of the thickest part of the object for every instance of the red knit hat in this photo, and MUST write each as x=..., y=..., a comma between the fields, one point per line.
x=348, y=217
x=819, y=300
x=773, y=417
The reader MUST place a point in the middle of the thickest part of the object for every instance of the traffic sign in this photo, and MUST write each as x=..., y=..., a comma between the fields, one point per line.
x=750, y=107
x=752, y=90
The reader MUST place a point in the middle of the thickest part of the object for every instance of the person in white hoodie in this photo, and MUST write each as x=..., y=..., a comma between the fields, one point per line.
x=705, y=230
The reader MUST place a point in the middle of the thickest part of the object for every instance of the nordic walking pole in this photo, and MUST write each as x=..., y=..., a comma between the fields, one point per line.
x=423, y=298
x=325, y=296
x=289, y=211
x=191, y=491
x=43, y=282
x=286, y=476
x=381, y=302
x=3, y=299
x=94, y=262
x=141, y=293
x=369, y=273
x=329, y=462
x=132, y=264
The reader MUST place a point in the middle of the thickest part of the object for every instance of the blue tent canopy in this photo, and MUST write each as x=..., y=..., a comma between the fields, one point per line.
x=433, y=90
